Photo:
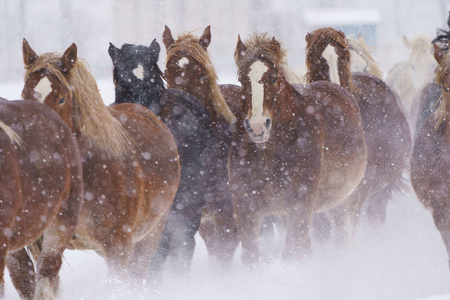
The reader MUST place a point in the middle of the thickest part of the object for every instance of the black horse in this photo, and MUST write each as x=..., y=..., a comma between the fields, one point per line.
x=138, y=79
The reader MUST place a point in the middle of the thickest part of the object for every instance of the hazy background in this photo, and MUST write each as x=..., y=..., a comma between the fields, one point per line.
x=52, y=25
x=406, y=259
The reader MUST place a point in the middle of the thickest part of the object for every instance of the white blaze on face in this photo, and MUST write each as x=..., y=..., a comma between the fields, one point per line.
x=42, y=89
x=257, y=70
x=183, y=62
x=331, y=57
x=139, y=72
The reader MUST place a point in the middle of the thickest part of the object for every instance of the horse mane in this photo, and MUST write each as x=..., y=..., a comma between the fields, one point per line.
x=329, y=35
x=362, y=48
x=443, y=36
x=14, y=137
x=189, y=43
x=441, y=72
x=92, y=117
x=260, y=45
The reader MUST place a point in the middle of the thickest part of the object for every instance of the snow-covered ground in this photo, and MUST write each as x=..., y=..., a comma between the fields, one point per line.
x=406, y=259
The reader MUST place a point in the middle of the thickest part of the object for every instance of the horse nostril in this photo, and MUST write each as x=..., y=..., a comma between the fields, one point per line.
x=268, y=122
x=247, y=125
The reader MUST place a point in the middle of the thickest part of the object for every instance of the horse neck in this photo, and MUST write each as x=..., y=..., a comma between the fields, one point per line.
x=205, y=95
x=286, y=104
x=138, y=95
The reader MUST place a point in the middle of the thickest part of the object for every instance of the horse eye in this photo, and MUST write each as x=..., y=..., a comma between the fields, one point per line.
x=61, y=101
x=201, y=76
x=274, y=80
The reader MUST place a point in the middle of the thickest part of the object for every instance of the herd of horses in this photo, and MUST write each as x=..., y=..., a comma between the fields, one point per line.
x=177, y=153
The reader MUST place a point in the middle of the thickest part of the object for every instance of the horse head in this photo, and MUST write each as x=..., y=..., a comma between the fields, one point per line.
x=263, y=85
x=136, y=74
x=328, y=56
x=48, y=80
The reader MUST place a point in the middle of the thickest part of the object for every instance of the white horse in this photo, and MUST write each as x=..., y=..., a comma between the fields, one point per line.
x=409, y=77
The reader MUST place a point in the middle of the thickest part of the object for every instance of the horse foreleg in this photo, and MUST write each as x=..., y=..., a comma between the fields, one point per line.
x=142, y=254
x=298, y=241
x=49, y=263
x=441, y=218
x=248, y=227
x=22, y=273
x=226, y=238
x=3, y=251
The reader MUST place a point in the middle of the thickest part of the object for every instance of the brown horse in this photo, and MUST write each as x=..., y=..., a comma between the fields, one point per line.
x=189, y=68
x=130, y=162
x=292, y=155
x=430, y=161
x=386, y=130
x=41, y=193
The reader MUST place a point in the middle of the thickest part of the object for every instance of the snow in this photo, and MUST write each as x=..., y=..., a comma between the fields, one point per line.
x=406, y=259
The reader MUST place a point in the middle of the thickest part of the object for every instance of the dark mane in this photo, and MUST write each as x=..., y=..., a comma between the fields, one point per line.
x=443, y=36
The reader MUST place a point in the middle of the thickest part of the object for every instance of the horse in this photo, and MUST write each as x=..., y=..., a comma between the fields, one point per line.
x=386, y=130
x=189, y=68
x=361, y=59
x=292, y=155
x=406, y=78
x=138, y=79
x=41, y=193
x=430, y=159
x=130, y=162
x=427, y=99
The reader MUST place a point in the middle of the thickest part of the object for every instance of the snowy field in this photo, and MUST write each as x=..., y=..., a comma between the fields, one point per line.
x=406, y=259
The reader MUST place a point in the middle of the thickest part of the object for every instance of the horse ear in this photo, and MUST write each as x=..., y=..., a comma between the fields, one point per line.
x=240, y=49
x=275, y=42
x=439, y=54
x=29, y=56
x=205, y=39
x=308, y=37
x=113, y=52
x=167, y=37
x=68, y=59
x=155, y=48
x=405, y=41
x=360, y=37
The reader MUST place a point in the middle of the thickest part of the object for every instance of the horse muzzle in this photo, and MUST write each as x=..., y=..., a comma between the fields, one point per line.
x=258, y=132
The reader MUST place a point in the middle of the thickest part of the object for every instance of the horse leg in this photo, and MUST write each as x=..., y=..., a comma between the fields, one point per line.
x=3, y=252
x=298, y=241
x=345, y=218
x=442, y=220
x=182, y=252
x=248, y=228
x=226, y=238
x=57, y=236
x=376, y=209
x=22, y=273
x=206, y=231
x=158, y=260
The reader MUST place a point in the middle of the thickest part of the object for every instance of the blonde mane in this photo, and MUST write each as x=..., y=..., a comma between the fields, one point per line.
x=92, y=117
x=189, y=43
x=360, y=46
x=260, y=45
x=15, y=138
x=441, y=72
